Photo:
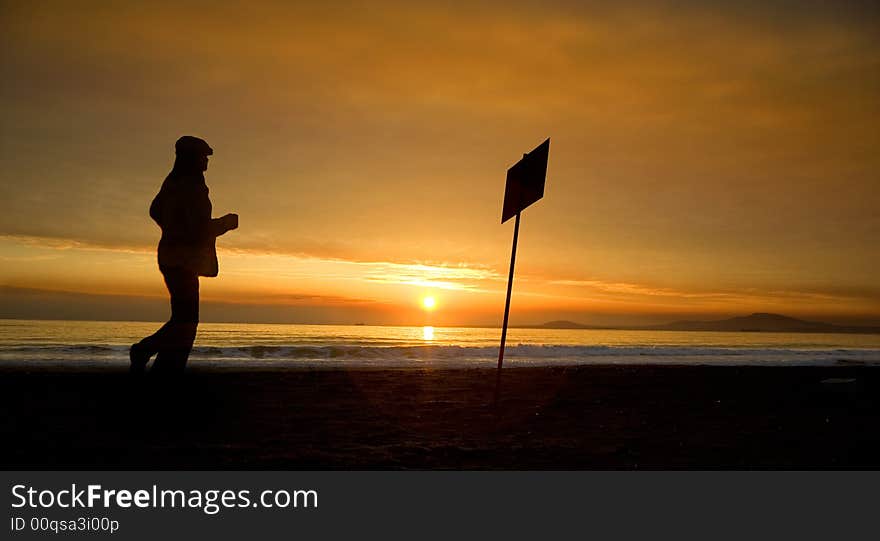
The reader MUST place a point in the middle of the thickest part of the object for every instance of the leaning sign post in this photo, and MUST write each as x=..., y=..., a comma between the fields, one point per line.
x=525, y=185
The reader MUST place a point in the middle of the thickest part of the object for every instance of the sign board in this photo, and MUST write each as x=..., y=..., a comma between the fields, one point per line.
x=525, y=181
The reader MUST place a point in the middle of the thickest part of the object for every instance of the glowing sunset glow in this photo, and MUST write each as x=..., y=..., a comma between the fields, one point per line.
x=708, y=159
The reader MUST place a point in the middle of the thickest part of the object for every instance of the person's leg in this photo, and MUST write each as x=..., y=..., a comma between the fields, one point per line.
x=175, y=343
x=140, y=352
x=152, y=344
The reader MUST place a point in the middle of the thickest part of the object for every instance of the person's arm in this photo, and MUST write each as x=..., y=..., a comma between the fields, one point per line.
x=200, y=223
x=186, y=216
x=223, y=224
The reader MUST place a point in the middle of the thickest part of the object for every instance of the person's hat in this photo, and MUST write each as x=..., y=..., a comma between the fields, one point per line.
x=193, y=146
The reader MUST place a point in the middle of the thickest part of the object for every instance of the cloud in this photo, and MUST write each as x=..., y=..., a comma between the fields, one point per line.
x=250, y=267
x=738, y=296
x=34, y=303
x=451, y=277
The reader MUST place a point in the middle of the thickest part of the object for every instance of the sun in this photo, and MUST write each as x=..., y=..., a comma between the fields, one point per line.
x=429, y=303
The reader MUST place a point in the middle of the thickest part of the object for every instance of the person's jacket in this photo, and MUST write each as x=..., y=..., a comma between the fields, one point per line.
x=182, y=209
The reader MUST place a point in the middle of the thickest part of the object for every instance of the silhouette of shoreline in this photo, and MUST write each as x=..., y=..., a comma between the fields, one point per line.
x=757, y=322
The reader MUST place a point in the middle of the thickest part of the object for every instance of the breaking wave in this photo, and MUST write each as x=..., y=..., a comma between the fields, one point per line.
x=458, y=356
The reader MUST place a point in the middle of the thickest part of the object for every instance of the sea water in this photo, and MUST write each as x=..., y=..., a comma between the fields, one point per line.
x=249, y=344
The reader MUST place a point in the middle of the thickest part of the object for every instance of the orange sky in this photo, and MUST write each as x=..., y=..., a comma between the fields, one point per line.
x=707, y=159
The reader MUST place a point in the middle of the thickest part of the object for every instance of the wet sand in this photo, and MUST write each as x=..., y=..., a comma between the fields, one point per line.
x=589, y=417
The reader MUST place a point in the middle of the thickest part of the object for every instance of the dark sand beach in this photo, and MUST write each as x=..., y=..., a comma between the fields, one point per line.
x=589, y=417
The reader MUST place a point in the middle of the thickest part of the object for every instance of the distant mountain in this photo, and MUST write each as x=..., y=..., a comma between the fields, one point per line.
x=763, y=322
x=562, y=324
x=758, y=322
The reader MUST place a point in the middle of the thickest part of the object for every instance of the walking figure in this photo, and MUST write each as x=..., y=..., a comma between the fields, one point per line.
x=187, y=250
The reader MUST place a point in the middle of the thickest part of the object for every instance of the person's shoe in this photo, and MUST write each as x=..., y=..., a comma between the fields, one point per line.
x=138, y=358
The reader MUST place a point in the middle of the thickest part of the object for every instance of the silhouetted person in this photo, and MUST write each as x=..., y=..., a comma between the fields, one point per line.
x=186, y=251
